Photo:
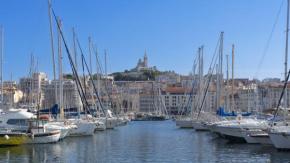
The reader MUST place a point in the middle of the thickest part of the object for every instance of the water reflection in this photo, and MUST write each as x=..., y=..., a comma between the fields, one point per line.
x=144, y=142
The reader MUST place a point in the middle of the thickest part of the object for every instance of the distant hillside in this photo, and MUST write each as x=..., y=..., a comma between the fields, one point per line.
x=136, y=76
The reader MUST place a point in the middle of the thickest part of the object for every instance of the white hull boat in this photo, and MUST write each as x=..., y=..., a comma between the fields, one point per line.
x=280, y=140
x=236, y=129
x=184, y=123
x=83, y=128
x=16, y=119
x=280, y=137
x=100, y=126
x=122, y=121
x=44, y=137
x=110, y=122
x=199, y=126
x=257, y=137
x=64, y=129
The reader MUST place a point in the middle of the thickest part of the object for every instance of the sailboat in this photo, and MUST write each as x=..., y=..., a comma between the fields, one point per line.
x=203, y=119
x=280, y=135
x=200, y=117
x=186, y=121
x=84, y=127
x=237, y=129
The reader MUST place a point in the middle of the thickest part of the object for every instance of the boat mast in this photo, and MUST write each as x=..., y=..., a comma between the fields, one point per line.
x=227, y=93
x=286, y=56
x=75, y=48
x=90, y=53
x=31, y=91
x=201, y=72
x=217, y=86
x=52, y=48
x=233, y=84
x=199, y=76
x=1, y=62
x=91, y=69
x=98, y=77
x=219, y=71
x=221, y=81
x=107, y=101
x=60, y=72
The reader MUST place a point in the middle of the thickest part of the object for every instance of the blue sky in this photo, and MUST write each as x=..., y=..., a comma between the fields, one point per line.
x=169, y=30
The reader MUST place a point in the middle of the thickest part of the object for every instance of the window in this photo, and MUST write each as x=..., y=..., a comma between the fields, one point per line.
x=20, y=122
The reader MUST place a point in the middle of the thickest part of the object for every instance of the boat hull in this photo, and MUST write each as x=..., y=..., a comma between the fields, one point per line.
x=10, y=139
x=199, y=126
x=111, y=123
x=83, y=129
x=232, y=134
x=41, y=138
x=280, y=140
x=257, y=137
x=184, y=123
x=265, y=140
x=100, y=127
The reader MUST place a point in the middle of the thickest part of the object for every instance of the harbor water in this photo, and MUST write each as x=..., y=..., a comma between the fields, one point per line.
x=144, y=142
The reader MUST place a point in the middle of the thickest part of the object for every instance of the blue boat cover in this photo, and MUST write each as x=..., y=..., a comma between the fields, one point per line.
x=221, y=112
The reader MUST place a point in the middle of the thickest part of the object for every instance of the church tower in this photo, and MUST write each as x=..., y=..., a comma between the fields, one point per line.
x=145, y=60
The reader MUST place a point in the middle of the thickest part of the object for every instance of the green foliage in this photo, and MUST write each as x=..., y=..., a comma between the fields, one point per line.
x=136, y=76
x=68, y=76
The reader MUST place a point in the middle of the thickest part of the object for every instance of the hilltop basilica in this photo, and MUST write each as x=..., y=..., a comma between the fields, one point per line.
x=143, y=65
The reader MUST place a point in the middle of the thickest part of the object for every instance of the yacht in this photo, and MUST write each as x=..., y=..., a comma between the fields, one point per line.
x=15, y=119
x=236, y=129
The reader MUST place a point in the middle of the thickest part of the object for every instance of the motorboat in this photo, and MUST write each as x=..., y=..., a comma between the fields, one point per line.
x=16, y=119
x=235, y=129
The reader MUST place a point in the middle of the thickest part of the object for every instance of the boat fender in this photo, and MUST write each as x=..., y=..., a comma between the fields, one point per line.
x=6, y=137
x=239, y=117
x=32, y=136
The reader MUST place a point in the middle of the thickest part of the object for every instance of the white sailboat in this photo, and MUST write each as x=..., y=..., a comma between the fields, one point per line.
x=186, y=121
x=204, y=118
x=84, y=127
x=280, y=135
